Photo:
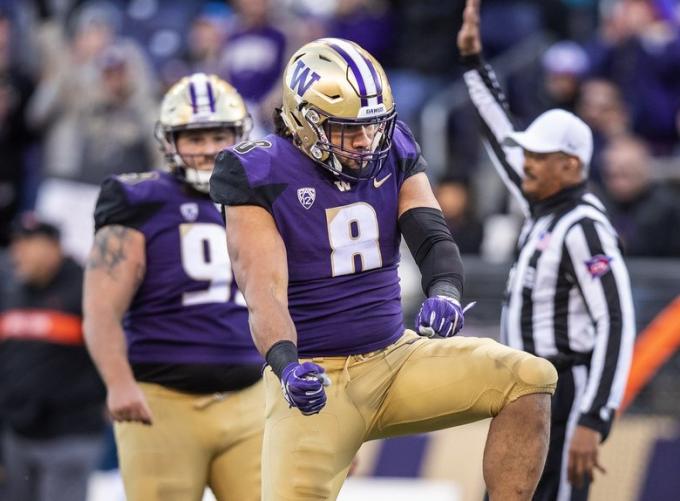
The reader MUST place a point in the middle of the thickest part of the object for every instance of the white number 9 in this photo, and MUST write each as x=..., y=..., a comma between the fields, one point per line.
x=205, y=258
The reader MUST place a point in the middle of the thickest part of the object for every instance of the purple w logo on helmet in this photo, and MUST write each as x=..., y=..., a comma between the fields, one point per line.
x=300, y=78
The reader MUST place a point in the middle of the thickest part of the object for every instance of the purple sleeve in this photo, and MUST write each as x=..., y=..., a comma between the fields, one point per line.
x=230, y=183
x=409, y=158
x=115, y=207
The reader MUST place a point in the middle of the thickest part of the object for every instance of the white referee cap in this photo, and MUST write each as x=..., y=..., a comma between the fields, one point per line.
x=556, y=131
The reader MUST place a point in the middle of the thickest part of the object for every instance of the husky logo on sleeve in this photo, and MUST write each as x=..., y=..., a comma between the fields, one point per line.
x=189, y=211
x=598, y=265
x=306, y=196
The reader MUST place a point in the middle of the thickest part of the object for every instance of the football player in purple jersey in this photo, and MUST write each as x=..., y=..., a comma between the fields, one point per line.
x=164, y=321
x=315, y=214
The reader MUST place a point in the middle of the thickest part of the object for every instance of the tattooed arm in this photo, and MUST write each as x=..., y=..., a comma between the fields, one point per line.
x=115, y=268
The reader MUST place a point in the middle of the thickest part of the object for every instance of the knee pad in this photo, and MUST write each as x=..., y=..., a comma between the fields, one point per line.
x=536, y=373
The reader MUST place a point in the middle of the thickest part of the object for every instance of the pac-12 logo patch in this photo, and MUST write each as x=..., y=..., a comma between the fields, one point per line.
x=598, y=265
x=189, y=211
x=306, y=196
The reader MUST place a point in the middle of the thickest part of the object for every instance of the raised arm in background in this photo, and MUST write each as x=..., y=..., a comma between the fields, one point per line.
x=491, y=104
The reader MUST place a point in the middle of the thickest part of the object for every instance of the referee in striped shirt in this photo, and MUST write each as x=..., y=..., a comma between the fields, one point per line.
x=568, y=296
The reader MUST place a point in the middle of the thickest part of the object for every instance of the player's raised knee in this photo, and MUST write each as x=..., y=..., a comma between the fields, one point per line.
x=538, y=374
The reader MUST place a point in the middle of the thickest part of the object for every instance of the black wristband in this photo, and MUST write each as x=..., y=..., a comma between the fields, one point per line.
x=472, y=61
x=444, y=288
x=280, y=355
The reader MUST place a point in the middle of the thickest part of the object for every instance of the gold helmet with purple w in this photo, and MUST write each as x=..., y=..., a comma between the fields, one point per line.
x=199, y=102
x=331, y=87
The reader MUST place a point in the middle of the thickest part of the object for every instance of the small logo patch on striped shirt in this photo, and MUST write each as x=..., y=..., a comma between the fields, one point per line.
x=598, y=265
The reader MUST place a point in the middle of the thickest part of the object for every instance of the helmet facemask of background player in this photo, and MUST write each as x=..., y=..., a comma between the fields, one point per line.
x=338, y=106
x=200, y=116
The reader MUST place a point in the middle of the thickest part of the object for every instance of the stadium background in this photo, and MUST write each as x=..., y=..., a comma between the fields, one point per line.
x=80, y=85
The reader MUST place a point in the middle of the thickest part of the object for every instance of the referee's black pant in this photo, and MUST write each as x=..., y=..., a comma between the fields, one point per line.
x=554, y=485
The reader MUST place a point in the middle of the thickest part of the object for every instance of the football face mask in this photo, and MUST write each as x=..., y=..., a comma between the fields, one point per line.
x=198, y=149
x=357, y=148
x=206, y=105
x=337, y=105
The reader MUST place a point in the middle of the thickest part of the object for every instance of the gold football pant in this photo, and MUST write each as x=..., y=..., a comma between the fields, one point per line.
x=195, y=441
x=414, y=385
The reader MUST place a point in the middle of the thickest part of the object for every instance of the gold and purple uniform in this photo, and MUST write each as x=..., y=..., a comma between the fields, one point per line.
x=189, y=347
x=342, y=246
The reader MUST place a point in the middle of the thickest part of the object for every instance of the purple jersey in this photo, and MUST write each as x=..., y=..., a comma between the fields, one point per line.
x=342, y=239
x=187, y=310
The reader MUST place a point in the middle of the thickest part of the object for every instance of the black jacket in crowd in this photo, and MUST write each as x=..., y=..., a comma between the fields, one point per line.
x=49, y=387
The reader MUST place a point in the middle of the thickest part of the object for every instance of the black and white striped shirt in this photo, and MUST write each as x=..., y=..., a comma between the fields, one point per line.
x=568, y=295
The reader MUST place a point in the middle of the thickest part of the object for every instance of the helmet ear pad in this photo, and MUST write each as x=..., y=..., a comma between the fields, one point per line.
x=166, y=139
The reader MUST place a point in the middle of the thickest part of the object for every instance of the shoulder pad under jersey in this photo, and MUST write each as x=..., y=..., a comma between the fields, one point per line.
x=407, y=150
x=243, y=174
x=131, y=199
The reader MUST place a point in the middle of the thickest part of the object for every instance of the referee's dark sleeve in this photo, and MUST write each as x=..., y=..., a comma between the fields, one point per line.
x=602, y=277
x=491, y=104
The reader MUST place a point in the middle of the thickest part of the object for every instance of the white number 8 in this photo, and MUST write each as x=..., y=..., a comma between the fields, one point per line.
x=353, y=231
x=205, y=258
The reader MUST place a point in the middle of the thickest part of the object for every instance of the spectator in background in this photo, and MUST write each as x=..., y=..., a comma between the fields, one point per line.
x=51, y=398
x=421, y=65
x=15, y=138
x=507, y=23
x=601, y=106
x=422, y=61
x=68, y=73
x=75, y=86
x=564, y=64
x=453, y=195
x=111, y=131
x=554, y=83
x=206, y=39
x=639, y=49
x=253, y=59
x=366, y=22
x=572, y=19
x=204, y=45
x=644, y=213
x=95, y=102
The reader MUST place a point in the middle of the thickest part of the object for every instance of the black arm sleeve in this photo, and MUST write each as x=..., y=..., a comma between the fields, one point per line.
x=433, y=248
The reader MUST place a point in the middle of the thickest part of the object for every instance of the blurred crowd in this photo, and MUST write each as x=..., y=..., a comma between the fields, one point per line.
x=81, y=81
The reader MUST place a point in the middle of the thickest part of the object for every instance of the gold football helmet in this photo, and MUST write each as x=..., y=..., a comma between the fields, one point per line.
x=199, y=101
x=333, y=90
